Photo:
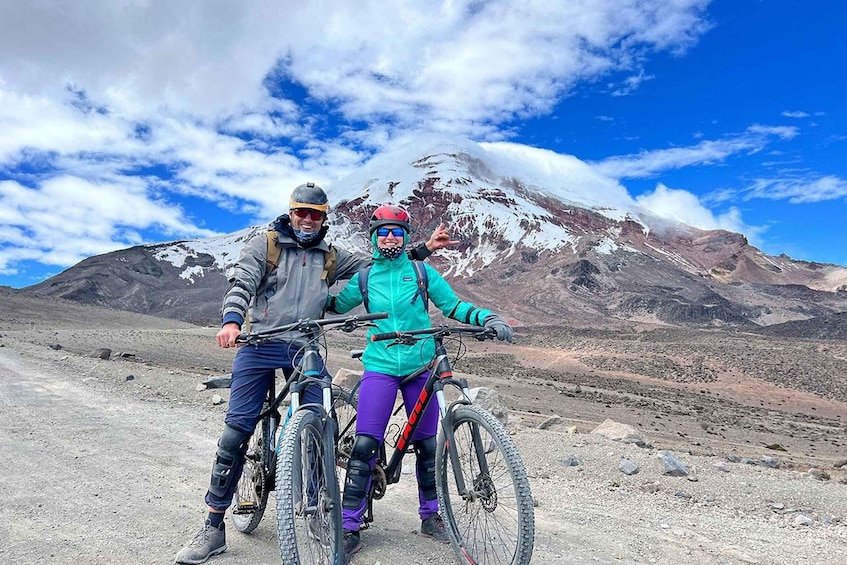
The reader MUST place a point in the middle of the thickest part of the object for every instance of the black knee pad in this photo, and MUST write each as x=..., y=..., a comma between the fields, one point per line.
x=228, y=461
x=425, y=466
x=359, y=469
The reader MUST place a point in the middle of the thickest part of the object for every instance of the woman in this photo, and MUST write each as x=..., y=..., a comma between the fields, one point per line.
x=392, y=286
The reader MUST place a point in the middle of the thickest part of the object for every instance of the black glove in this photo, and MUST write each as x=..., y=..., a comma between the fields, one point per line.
x=501, y=328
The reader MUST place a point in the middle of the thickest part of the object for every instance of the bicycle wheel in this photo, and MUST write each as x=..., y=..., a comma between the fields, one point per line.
x=251, y=496
x=493, y=522
x=308, y=501
x=345, y=414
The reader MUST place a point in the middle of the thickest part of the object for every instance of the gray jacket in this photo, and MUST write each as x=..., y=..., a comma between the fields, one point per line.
x=293, y=291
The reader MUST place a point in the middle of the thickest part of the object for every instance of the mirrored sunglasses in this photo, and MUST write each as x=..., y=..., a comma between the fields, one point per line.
x=396, y=232
x=303, y=212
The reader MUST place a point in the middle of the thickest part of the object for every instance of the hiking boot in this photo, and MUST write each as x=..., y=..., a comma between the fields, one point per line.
x=433, y=527
x=352, y=544
x=207, y=542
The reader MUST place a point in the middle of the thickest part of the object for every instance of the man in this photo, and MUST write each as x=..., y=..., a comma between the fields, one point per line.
x=269, y=297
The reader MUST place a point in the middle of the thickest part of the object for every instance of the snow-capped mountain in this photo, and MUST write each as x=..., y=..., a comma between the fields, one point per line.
x=544, y=239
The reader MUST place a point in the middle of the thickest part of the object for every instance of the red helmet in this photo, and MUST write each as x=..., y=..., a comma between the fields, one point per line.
x=389, y=216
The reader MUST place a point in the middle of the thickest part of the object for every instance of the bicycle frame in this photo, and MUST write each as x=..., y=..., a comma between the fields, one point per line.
x=440, y=375
x=489, y=519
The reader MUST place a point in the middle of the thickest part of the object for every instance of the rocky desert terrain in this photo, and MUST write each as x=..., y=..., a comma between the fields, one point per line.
x=106, y=456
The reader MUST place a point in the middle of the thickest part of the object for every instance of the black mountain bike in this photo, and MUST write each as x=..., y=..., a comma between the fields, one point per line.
x=289, y=455
x=483, y=490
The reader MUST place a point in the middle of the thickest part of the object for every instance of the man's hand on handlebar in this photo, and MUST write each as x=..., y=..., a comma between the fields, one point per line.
x=227, y=334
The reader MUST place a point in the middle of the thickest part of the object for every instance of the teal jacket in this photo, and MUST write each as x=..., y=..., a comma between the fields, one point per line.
x=393, y=288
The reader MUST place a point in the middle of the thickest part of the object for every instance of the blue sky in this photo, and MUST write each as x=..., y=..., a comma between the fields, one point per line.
x=146, y=121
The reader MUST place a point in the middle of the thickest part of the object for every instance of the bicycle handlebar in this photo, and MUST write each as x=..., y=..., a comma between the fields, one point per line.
x=439, y=330
x=307, y=324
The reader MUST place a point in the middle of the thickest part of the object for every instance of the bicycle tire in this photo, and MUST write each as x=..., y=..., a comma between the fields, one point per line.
x=308, y=499
x=496, y=524
x=254, y=486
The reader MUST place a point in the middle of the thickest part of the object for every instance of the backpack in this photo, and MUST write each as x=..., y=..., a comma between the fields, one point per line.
x=420, y=273
x=274, y=251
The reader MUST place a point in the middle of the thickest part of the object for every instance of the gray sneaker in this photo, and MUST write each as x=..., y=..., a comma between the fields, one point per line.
x=207, y=542
x=433, y=527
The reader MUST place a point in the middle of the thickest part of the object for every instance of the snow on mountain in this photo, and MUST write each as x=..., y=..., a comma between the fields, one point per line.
x=224, y=250
x=501, y=196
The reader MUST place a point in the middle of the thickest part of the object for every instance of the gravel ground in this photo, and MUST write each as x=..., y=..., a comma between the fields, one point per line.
x=106, y=469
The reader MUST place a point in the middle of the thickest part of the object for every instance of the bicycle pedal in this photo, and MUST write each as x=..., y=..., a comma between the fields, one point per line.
x=245, y=508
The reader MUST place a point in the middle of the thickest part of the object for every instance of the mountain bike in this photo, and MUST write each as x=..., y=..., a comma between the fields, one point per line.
x=289, y=455
x=483, y=491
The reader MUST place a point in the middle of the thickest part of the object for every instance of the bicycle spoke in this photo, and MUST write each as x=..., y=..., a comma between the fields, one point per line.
x=493, y=523
x=251, y=496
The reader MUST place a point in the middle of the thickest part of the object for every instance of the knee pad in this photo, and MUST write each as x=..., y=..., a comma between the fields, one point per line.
x=425, y=466
x=228, y=461
x=359, y=469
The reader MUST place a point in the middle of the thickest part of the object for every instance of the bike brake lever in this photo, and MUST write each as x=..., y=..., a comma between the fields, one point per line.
x=404, y=340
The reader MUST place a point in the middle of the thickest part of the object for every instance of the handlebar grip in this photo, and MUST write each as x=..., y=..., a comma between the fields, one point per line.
x=373, y=316
x=385, y=336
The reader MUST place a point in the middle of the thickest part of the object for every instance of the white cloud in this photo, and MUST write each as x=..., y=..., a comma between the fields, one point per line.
x=683, y=206
x=798, y=114
x=649, y=163
x=93, y=93
x=799, y=190
x=67, y=219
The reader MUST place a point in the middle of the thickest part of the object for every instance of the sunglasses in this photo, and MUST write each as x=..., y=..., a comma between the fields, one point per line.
x=396, y=232
x=315, y=215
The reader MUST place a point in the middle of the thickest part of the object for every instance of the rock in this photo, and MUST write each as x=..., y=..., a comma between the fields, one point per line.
x=721, y=466
x=345, y=378
x=55, y=346
x=221, y=381
x=200, y=387
x=490, y=400
x=619, y=432
x=819, y=474
x=801, y=520
x=570, y=461
x=217, y=399
x=840, y=463
x=130, y=377
x=549, y=422
x=627, y=467
x=673, y=467
x=768, y=461
x=102, y=353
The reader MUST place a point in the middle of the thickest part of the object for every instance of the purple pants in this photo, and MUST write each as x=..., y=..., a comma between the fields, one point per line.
x=376, y=402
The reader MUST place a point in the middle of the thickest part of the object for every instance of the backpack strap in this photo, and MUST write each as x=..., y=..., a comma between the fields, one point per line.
x=330, y=263
x=363, y=286
x=423, y=284
x=274, y=251
x=272, y=256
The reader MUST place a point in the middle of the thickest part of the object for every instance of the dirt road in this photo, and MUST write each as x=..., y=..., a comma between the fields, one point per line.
x=101, y=468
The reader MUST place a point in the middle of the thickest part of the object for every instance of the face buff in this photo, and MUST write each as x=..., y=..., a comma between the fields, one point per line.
x=305, y=236
x=390, y=252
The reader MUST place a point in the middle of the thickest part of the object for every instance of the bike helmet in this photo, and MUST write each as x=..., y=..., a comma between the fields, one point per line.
x=389, y=216
x=309, y=195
